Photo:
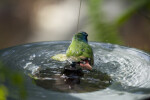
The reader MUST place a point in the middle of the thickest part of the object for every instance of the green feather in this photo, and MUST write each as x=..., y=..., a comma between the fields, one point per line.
x=80, y=49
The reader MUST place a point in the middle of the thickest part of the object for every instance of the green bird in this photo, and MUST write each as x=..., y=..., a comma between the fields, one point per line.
x=80, y=51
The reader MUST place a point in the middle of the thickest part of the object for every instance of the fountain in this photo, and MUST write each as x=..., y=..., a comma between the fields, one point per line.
x=119, y=72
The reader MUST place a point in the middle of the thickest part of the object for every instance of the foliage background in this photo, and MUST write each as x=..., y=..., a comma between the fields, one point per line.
x=125, y=22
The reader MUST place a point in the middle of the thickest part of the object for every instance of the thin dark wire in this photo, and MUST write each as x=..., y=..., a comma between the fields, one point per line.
x=79, y=16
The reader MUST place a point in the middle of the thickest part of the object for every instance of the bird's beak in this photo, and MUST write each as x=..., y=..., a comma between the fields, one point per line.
x=86, y=65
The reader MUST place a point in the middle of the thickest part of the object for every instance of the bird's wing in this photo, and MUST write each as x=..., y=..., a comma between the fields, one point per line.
x=80, y=50
x=59, y=57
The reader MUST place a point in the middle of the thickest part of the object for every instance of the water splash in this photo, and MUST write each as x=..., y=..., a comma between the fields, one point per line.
x=125, y=65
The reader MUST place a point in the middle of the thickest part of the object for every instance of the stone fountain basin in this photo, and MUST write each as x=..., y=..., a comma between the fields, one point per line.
x=129, y=69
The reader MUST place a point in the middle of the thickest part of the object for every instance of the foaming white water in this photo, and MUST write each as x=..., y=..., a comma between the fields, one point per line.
x=125, y=65
x=31, y=67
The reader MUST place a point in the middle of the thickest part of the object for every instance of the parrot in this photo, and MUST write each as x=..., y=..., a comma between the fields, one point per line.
x=80, y=52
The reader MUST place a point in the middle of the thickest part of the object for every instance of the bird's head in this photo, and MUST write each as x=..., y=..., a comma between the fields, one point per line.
x=82, y=36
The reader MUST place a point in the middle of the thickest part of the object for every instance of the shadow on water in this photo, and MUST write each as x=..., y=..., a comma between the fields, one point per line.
x=37, y=93
x=71, y=81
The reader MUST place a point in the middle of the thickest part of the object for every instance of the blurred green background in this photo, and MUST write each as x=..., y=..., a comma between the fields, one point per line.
x=124, y=22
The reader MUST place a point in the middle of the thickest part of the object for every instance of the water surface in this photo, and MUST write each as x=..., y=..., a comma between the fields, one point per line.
x=128, y=68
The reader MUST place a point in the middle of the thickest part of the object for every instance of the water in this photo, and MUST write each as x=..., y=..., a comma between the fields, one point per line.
x=128, y=68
